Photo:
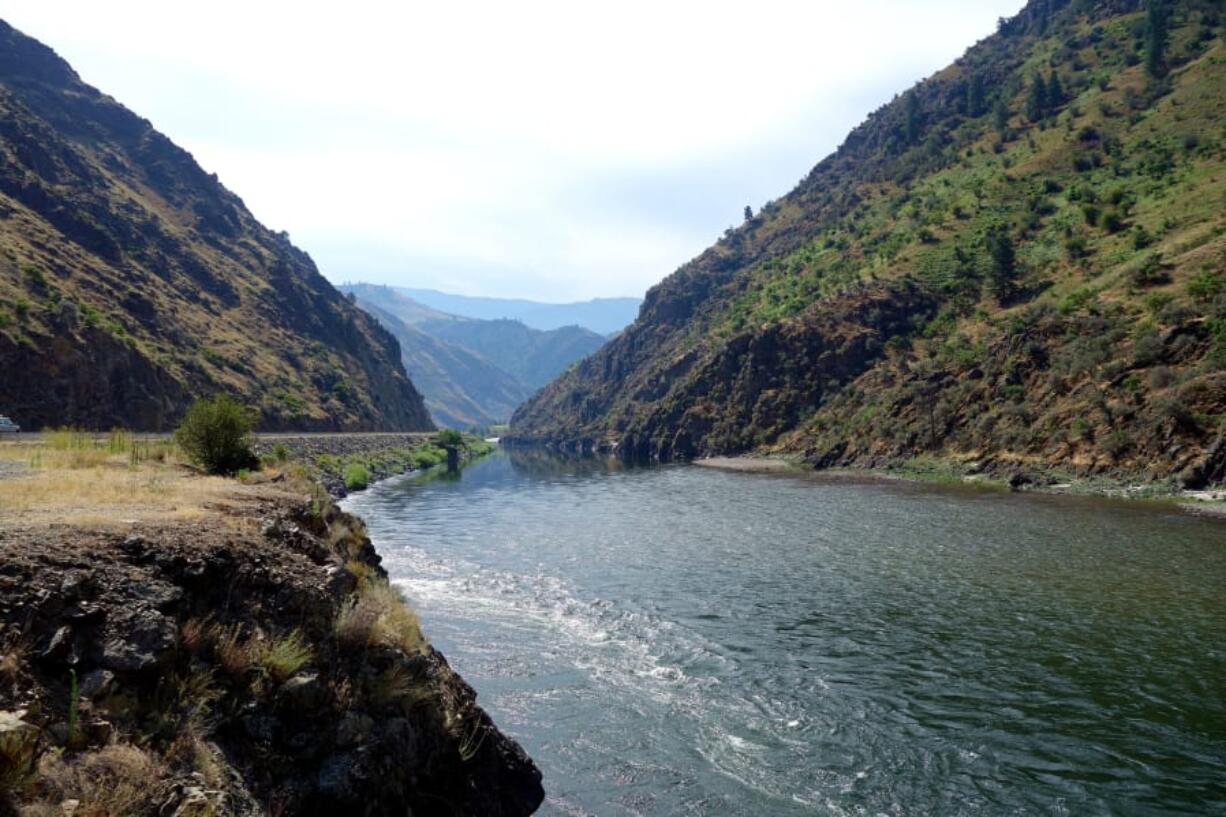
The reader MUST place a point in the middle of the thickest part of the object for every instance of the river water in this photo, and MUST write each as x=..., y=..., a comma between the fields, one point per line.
x=683, y=641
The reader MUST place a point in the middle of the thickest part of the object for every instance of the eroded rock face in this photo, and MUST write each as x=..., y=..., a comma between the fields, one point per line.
x=18, y=747
x=137, y=640
x=165, y=633
x=722, y=398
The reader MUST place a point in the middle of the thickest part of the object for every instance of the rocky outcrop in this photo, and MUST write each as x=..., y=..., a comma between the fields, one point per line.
x=719, y=398
x=244, y=664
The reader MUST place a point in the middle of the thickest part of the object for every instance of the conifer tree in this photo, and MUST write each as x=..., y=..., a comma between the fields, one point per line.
x=976, y=97
x=1055, y=93
x=1003, y=274
x=1000, y=117
x=1036, y=102
x=1157, y=34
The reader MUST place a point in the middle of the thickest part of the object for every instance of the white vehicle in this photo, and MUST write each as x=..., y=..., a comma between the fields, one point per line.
x=8, y=426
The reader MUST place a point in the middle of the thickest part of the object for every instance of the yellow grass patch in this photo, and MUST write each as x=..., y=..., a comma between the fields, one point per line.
x=100, y=483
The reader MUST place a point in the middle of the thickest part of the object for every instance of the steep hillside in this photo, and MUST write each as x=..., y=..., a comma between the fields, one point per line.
x=603, y=316
x=1021, y=262
x=461, y=388
x=533, y=357
x=473, y=368
x=132, y=281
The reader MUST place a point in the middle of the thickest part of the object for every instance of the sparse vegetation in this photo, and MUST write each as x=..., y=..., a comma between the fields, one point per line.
x=113, y=781
x=281, y=658
x=1087, y=215
x=380, y=615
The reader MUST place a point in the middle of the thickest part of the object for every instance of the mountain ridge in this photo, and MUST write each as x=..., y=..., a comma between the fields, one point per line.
x=1017, y=263
x=132, y=281
x=604, y=316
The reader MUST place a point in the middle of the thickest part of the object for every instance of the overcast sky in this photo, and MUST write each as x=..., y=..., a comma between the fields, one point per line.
x=549, y=150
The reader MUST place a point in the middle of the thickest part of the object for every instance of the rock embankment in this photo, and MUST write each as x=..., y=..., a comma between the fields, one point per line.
x=310, y=446
x=380, y=455
x=254, y=661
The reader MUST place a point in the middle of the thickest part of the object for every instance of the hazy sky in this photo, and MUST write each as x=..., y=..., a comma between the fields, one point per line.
x=550, y=150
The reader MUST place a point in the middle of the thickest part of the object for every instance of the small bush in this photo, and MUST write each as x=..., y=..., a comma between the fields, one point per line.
x=380, y=616
x=427, y=457
x=1148, y=348
x=356, y=477
x=234, y=654
x=449, y=438
x=216, y=435
x=281, y=658
x=1206, y=285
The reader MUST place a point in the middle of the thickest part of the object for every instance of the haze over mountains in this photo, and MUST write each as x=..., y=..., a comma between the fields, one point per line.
x=601, y=315
x=473, y=372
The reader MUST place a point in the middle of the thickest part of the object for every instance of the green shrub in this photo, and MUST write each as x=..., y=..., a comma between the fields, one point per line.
x=356, y=477
x=1206, y=285
x=1157, y=301
x=216, y=435
x=1148, y=348
x=427, y=457
x=449, y=438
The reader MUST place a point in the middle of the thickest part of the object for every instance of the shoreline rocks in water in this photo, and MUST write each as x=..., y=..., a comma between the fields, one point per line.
x=1210, y=502
x=253, y=660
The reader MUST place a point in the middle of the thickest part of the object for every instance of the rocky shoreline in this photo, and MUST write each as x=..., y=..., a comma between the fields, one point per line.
x=250, y=662
x=1210, y=502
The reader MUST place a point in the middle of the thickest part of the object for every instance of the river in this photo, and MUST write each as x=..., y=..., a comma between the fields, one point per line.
x=683, y=641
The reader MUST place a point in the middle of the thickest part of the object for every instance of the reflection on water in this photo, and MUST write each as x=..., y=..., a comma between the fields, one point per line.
x=675, y=640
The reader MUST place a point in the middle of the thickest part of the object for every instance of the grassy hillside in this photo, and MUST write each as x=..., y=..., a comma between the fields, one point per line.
x=996, y=267
x=132, y=281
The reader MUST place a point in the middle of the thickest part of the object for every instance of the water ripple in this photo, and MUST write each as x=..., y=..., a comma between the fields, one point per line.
x=677, y=641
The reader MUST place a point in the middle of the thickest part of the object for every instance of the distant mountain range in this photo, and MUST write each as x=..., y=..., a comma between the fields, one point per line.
x=472, y=372
x=601, y=315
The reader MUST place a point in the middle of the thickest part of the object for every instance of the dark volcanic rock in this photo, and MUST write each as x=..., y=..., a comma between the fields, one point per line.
x=368, y=730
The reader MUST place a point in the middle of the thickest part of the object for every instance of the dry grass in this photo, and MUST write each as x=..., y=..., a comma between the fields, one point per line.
x=281, y=658
x=399, y=685
x=380, y=616
x=197, y=635
x=116, y=780
x=235, y=655
x=70, y=478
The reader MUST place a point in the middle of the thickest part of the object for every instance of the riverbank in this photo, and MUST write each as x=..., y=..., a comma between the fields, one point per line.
x=173, y=643
x=1209, y=502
